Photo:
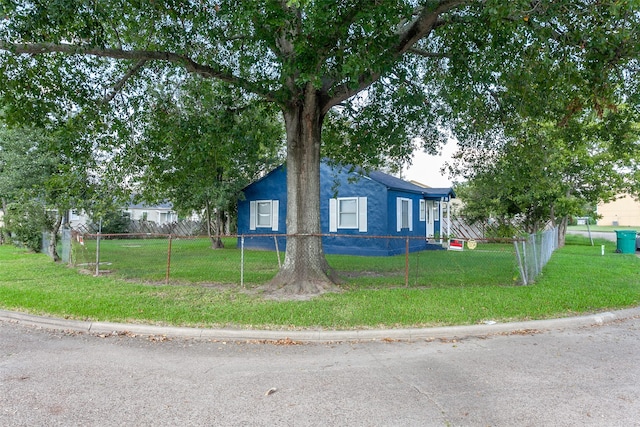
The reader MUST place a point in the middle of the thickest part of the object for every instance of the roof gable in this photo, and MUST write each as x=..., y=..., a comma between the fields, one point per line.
x=394, y=183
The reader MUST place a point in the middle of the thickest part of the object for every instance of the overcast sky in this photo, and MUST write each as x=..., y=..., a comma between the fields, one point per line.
x=426, y=169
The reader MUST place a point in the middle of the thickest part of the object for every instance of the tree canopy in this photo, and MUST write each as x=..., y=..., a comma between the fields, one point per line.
x=544, y=174
x=39, y=184
x=411, y=68
x=200, y=144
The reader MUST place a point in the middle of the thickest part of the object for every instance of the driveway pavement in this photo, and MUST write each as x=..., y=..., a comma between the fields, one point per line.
x=574, y=372
x=607, y=235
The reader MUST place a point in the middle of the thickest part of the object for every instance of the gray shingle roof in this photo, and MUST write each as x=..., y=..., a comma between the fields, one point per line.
x=394, y=183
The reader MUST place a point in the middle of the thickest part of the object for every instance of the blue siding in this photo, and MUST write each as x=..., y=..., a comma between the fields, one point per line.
x=381, y=192
x=336, y=183
x=271, y=187
x=419, y=231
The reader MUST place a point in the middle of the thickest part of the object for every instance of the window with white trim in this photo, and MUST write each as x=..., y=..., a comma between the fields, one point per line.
x=436, y=211
x=423, y=210
x=263, y=214
x=348, y=213
x=404, y=214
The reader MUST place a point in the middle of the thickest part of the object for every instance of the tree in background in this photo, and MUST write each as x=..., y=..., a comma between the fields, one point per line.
x=547, y=173
x=202, y=143
x=38, y=185
x=462, y=61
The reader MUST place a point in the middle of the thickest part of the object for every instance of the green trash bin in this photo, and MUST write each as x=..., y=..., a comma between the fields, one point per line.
x=626, y=241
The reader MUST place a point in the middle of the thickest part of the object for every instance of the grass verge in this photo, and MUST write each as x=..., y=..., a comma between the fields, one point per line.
x=578, y=279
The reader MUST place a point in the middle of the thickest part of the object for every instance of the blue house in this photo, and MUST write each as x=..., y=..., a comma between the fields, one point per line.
x=361, y=213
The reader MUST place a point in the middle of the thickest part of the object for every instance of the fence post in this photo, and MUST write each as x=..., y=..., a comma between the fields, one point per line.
x=275, y=239
x=523, y=275
x=166, y=279
x=406, y=263
x=536, y=259
x=417, y=267
x=242, y=260
x=98, y=248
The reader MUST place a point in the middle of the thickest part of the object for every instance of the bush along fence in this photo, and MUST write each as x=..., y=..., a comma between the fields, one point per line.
x=171, y=259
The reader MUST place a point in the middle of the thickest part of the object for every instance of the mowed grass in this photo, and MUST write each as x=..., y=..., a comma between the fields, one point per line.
x=193, y=261
x=578, y=279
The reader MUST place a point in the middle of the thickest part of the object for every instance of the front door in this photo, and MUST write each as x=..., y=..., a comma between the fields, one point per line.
x=429, y=212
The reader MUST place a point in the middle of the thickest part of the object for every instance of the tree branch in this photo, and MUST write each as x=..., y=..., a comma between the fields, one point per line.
x=426, y=20
x=118, y=86
x=423, y=24
x=141, y=55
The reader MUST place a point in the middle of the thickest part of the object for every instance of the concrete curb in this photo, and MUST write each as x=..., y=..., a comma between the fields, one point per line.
x=445, y=332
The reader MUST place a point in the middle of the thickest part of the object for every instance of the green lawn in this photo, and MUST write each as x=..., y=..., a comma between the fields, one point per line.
x=193, y=262
x=578, y=279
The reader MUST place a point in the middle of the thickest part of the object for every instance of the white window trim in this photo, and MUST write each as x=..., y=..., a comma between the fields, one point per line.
x=423, y=210
x=361, y=214
x=270, y=212
x=399, y=201
x=274, y=217
x=346, y=199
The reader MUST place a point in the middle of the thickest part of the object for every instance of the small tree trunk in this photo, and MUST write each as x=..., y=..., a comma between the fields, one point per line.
x=562, y=231
x=53, y=239
x=216, y=241
x=214, y=232
x=305, y=269
x=4, y=212
x=562, y=226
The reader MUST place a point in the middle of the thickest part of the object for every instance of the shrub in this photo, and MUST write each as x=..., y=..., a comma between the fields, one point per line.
x=25, y=221
x=113, y=222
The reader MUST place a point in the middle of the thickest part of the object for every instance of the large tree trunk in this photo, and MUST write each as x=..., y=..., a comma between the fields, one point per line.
x=305, y=269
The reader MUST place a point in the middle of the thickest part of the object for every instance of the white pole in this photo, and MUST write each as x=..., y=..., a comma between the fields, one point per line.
x=449, y=218
x=242, y=261
x=440, y=216
x=98, y=248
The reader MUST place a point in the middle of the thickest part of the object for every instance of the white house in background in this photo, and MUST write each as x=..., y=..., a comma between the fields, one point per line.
x=624, y=211
x=160, y=214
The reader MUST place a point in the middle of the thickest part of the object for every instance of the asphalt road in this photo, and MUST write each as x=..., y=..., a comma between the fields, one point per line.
x=573, y=376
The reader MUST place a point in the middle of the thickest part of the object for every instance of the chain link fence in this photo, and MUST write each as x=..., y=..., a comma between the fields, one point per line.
x=534, y=252
x=177, y=253
x=63, y=244
x=169, y=259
